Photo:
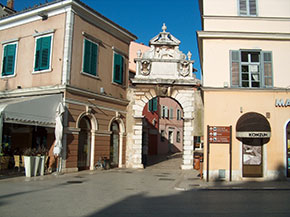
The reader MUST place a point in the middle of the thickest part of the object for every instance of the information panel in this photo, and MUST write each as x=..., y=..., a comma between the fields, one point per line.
x=219, y=134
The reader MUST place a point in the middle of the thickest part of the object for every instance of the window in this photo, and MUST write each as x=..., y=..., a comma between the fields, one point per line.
x=178, y=136
x=152, y=105
x=90, y=57
x=164, y=111
x=171, y=113
x=118, y=72
x=251, y=69
x=9, y=59
x=247, y=7
x=178, y=114
x=42, y=53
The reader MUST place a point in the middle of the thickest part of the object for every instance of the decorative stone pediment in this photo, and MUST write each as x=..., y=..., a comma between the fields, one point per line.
x=164, y=62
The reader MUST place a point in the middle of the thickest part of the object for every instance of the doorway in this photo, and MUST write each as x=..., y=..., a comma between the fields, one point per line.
x=84, y=147
x=114, y=147
x=252, y=159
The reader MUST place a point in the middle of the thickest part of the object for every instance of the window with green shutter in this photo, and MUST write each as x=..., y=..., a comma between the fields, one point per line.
x=118, y=72
x=9, y=56
x=153, y=105
x=251, y=69
x=42, y=53
x=90, y=57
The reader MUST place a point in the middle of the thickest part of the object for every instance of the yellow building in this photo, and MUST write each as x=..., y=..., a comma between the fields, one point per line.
x=244, y=48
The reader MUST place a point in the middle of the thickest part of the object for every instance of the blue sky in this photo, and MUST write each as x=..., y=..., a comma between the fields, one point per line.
x=144, y=18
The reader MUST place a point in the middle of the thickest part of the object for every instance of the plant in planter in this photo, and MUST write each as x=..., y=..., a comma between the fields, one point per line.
x=29, y=161
x=42, y=154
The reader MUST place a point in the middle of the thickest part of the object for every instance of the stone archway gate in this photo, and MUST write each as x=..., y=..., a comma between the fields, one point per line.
x=163, y=71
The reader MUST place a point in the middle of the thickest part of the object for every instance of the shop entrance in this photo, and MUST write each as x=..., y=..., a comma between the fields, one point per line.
x=84, y=147
x=252, y=160
x=288, y=148
x=253, y=130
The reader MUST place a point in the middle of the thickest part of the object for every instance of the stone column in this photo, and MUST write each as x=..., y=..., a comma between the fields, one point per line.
x=137, y=143
x=187, y=162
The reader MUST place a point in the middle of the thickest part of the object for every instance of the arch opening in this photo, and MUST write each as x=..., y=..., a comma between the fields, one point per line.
x=84, y=144
x=253, y=130
x=162, y=131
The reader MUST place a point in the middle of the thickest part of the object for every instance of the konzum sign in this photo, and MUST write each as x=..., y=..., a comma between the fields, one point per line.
x=254, y=134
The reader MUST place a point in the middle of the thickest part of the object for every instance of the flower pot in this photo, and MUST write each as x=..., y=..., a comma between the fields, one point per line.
x=29, y=165
x=42, y=165
x=36, y=165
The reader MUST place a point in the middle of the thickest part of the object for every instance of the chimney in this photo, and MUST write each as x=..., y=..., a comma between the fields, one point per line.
x=10, y=4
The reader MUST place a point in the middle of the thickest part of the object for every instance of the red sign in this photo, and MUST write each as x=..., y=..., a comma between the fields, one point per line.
x=219, y=134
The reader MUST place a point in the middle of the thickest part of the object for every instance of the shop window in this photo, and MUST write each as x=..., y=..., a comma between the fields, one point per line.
x=251, y=69
x=118, y=70
x=9, y=59
x=43, y=53
x=247, y=7
x=90, y=57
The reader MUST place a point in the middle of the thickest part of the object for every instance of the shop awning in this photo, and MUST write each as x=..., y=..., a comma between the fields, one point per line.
x=36, y=110
x=253, y=127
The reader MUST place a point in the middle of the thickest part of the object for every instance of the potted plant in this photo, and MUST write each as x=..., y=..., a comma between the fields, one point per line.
x=42, y=153
x=29, y=160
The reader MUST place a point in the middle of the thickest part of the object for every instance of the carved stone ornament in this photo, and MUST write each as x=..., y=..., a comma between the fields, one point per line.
x=184, y=68
x=161, y=90
x=145, y=67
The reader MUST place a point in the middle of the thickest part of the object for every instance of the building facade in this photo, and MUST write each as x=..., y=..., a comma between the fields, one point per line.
x=244, y=48
x=64, y=52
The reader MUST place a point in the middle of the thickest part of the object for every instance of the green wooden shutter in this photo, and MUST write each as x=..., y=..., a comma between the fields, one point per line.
x=118, y=68
x=90, y=57
x=87, y=54
x=94, y=57
x=37, y=55
x=150, y=105
x=154, y=107
x=235, y=68
x=45, y=57
x=9, y=59
x=267, y=68
x=42, y=53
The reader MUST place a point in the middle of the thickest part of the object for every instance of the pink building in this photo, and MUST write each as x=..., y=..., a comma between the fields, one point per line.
x=170, y=126
x=163, y=126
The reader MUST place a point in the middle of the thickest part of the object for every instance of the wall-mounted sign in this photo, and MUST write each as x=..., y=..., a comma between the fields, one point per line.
x=219, y=134
x=253, y=134
x=282, y=103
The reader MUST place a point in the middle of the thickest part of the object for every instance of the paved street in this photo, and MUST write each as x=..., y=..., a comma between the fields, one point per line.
x=156, y=191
